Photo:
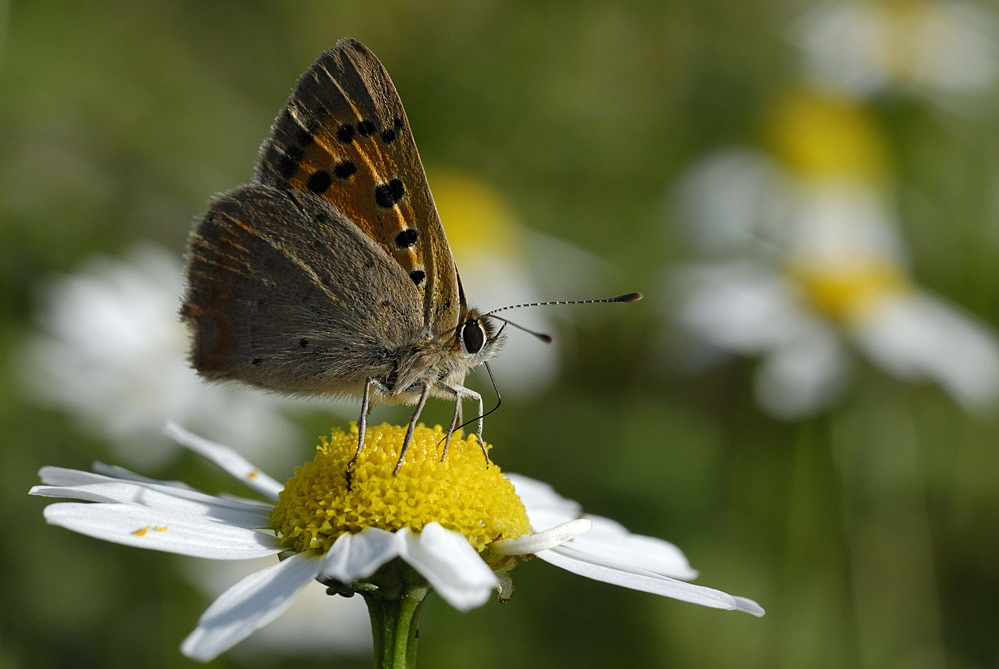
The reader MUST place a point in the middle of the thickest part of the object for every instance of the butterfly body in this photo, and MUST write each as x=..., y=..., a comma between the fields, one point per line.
x=330, y=274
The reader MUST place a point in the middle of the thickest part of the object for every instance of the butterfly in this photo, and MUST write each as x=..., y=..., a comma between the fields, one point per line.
x=330, y=273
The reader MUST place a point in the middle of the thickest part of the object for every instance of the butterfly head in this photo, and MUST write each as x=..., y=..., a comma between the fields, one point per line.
x=477, y=338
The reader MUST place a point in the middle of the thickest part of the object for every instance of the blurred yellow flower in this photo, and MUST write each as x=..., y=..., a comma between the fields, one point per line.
x=848, y=293
x=475, y=216
x=825, y=136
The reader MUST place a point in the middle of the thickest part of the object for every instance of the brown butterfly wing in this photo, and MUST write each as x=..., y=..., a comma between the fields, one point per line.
x=344, y=136
x=286, y=294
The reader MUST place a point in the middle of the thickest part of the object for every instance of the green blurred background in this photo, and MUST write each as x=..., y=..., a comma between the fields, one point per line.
x=870, y=533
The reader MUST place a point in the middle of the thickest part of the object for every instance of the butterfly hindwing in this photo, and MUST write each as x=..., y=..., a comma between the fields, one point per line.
x=275, y=301
x=344, y=136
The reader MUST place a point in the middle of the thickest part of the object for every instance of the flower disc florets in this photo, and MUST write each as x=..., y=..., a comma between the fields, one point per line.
x=851, y=290
x=463, y=493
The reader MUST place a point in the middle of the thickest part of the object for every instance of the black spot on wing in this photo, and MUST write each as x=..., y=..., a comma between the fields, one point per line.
x=388, y=194
x=406, y=238
x=366, y=128
x=345, y=133
x=319, y=182
x=344, y=169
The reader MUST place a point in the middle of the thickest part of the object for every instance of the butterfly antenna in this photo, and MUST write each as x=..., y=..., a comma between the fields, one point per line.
x=629, y=297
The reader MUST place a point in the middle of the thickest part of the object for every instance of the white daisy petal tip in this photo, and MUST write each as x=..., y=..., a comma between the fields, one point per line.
x=646, y=581
x=544, y=540
x=225, y=457
x=748, y=606
x=249, y=605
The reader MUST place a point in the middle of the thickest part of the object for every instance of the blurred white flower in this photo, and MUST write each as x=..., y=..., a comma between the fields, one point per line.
x=801, y=261
x=933, y=47
x=113, y=354
x=823, y=148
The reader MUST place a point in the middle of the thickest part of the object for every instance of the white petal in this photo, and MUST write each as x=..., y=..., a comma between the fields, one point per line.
x=228, y=459
x=538, y=495
x=609, y=543
x=158, y=530
x=539, y=541
x=606, y=541
x=249, y=605
x=805, y=372
x=653, y=583
x=114, y=471
x=62, y=476
x=742, y=307
x=315, y=626
x=450, y=565
x=357, y=556
x=142, y=491
x=920, y=337
x=731, y=202
x=843, y=222
x=186, y=505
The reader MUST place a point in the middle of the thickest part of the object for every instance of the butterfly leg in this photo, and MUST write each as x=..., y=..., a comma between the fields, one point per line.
x=461, y=392
x=362, y=421
x=455, y=419
x=468, y=392
x=424, y=394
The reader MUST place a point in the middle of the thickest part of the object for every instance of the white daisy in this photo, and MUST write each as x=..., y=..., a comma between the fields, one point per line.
x=113, y=354
x=934, y=47
x=802, y=261
x=835, y=278
x=460, y=525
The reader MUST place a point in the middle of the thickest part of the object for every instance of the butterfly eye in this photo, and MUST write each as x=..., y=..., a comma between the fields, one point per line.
x=472, y=336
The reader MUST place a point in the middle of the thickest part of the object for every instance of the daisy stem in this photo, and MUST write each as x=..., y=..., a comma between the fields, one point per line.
x=395, y=624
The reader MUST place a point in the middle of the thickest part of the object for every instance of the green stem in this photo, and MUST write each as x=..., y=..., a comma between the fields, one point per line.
x=395, y=624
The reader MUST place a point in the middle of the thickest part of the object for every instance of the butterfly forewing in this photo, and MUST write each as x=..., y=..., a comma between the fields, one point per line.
x=344, y=137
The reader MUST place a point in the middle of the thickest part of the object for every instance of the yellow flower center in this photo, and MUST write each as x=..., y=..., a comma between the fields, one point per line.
x=848, y=292
x=819, y=135
x=462, y=492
